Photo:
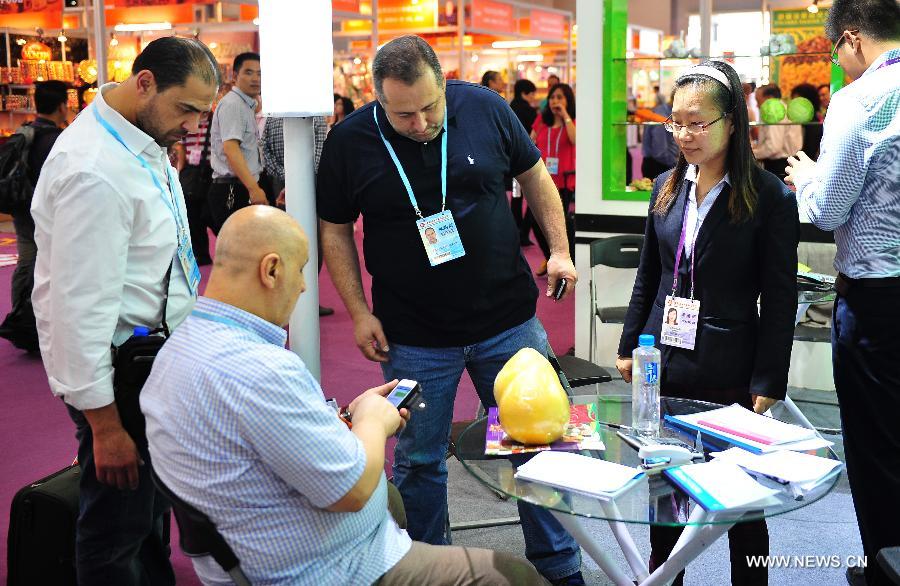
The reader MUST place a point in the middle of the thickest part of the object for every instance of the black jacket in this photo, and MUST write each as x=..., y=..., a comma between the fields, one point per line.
x=737, y=346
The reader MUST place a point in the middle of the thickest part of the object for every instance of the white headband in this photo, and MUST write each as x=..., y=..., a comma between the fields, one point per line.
x=709, y=72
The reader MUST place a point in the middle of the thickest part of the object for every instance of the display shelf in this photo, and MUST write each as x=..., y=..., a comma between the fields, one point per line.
x=661, y=58
x=19, y=111
x=19, y=86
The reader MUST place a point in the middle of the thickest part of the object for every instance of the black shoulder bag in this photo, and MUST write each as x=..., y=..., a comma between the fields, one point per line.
x=132, y=362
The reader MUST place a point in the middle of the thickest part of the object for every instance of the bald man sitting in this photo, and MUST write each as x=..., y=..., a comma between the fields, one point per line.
x=239, y=429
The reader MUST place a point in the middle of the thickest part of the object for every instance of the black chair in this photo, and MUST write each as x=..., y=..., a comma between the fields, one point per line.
x=889, y=560
x=199, y=536
x=619, y=252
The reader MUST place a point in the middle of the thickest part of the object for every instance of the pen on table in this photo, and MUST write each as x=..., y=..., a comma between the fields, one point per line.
x=615, y=425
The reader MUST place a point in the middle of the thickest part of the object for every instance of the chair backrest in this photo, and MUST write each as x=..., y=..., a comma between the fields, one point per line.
x=198, y=534
x=621, y=252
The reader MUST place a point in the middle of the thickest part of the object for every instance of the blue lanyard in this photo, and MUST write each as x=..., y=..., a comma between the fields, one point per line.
x=409, y=190
x=166, y=195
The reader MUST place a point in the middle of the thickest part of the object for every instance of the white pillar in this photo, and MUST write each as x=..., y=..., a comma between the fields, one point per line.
x=286, y=30
x=100, y=53
x=300, y=197
x=706, y=10
x=589, y=90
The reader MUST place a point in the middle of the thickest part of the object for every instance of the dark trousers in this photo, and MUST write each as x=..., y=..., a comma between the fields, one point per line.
x=195, y=185
x=18, y=326
x=224, y=199
x=651, y=168
x=566, y=197
x=744, y=539
x=866, y=357
x=120, y=534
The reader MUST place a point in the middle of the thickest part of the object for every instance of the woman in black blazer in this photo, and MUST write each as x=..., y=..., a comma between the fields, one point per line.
x=740, y=230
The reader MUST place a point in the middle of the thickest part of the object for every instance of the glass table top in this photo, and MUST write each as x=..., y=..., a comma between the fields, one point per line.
x=651, y=500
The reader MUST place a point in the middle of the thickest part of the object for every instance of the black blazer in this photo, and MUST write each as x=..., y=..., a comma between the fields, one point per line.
x=737, y=347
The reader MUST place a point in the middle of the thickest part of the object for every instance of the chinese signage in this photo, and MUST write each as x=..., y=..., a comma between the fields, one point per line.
x=493, y=16
x=547, y=25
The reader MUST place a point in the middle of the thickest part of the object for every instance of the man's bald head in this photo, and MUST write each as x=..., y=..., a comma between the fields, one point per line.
x=253, y=232
x=258, y=267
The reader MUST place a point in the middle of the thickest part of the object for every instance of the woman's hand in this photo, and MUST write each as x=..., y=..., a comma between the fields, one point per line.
x=559, y=111
x=623, y=365
x=762, y=404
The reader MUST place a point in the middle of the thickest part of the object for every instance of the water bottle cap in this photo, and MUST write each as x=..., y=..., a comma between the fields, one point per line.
x=646, y=340
x=141, y=331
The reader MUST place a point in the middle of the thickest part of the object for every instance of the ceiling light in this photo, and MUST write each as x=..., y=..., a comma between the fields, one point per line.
x=213, y=45
x=525, y=44
x=813, y=7
x=141, y=27
x=256, y=21
x=62, y=38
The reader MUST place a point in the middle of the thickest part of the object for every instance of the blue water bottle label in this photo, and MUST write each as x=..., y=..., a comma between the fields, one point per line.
x=651, y=373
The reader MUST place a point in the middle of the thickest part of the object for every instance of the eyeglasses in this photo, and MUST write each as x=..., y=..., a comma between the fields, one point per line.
x=693, y=128
x=834, y=57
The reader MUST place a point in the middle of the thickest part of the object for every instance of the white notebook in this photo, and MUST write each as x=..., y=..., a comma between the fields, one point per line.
x=583, y=474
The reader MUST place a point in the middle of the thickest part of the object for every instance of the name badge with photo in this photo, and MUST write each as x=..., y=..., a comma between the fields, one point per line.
x=679, y=328
x=188, y=262
x=441, y=238
x=552, y=165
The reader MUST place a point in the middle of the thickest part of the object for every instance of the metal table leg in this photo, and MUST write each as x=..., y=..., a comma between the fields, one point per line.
x=694, y=540
x=575, y=526
x=623, y=536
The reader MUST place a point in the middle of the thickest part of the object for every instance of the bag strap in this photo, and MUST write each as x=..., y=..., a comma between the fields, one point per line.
x=165, y=326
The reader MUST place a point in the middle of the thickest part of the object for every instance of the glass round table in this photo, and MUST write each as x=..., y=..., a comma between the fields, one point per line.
x=651, y=500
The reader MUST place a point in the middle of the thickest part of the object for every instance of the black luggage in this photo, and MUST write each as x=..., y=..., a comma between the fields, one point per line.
x=41, y=544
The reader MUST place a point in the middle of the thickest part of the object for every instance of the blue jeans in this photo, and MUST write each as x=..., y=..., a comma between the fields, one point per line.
x=420, y=467
x=120, y=537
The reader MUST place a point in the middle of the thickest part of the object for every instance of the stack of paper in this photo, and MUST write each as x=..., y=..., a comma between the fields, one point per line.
x=721, y=485
x=582, y=474
x=748, y=430
x=803, y=471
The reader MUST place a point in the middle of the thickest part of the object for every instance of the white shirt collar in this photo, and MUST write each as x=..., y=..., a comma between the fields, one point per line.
x=136, y=140
x=693, y=171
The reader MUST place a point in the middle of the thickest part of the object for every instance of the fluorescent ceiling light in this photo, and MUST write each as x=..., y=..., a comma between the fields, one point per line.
x=140, y=27
x=537, y=58
x=526, y=44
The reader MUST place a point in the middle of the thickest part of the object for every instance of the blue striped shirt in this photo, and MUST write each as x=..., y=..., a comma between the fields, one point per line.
x=855, y=188
x=239, y=428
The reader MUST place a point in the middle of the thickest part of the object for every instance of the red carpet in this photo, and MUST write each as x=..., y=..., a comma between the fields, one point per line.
x=38, y=436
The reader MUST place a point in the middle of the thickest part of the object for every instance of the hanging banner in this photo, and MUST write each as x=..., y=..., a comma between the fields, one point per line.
x=547, y=25
x=808, y=34
x=345, y=5
x=396, y=15
x=31, y=13
x=407, y=14
x=142, y=3
x=493, y=16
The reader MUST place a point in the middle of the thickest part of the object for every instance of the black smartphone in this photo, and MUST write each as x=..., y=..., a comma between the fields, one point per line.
x=405, y=395
x=560, y=289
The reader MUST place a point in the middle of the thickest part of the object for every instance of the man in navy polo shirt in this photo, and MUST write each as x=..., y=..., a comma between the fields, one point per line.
x=430, y=157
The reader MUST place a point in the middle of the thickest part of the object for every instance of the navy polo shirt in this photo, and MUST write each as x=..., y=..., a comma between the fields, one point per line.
x=462, y=301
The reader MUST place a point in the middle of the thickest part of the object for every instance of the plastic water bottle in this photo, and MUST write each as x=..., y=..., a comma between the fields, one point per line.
x=645, y=387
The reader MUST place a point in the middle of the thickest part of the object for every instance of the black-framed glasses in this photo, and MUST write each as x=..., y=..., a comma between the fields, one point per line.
x=693, y=128
x=834, y=57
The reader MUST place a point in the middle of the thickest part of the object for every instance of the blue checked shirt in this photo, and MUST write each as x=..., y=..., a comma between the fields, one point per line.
x=239, y=429
x=855, y=187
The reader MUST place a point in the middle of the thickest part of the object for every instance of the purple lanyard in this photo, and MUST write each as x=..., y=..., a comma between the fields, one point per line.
x=681, y=242
x=889, y=62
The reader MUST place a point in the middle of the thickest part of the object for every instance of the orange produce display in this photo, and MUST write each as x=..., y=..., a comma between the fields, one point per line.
x=532, y=404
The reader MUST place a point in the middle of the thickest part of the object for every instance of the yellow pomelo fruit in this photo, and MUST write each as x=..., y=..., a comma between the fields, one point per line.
x=534, y=408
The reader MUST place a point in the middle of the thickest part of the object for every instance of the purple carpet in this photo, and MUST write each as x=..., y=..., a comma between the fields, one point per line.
x=38, y=436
